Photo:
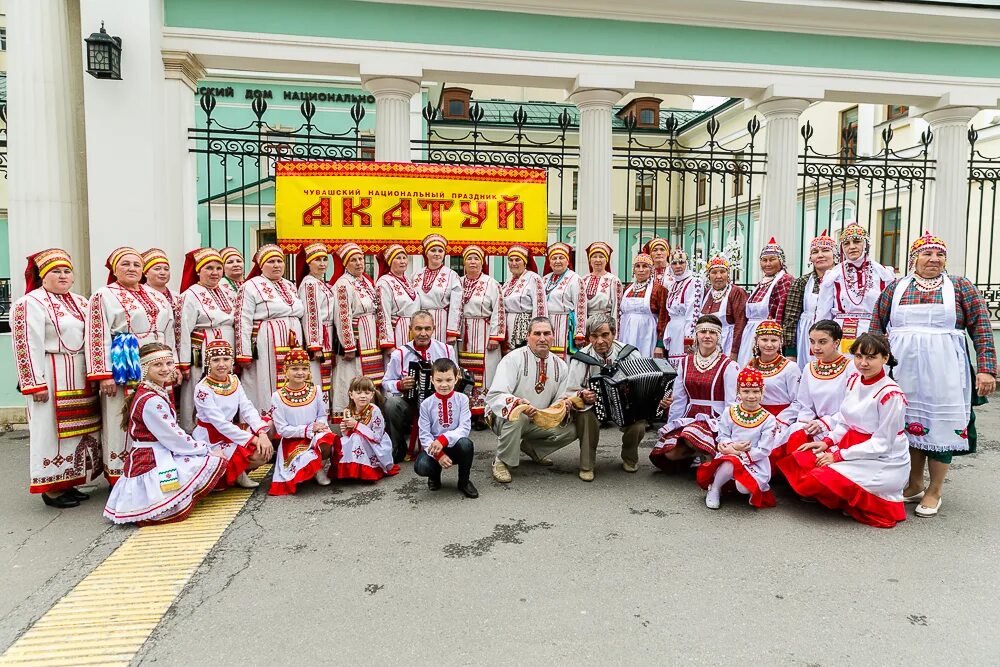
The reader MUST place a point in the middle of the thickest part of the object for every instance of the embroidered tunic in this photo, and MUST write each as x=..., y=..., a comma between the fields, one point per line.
x=440, y=292
x=781, y=385
x=848, y=295
x=317, y=328
x=365, y=451
x=566, y=303
x=730, y=308
x=48, y=331
x=800, y=314
x=268, y=324
x=206, y=315
x=604, y=295
x=299, y=456
x=752, y=468
x=446, y=419
x=683, y=299
x=820, y=393
x=218, y=406
x=115, y=311
x=523, y=299
x=522, y=377
x=166, y=471
x=483, y=322
x=399, y=301
x=361, y=330
x=643, y=316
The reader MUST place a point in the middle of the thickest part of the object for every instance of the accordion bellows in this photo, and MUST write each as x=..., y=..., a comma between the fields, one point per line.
x=633, y=392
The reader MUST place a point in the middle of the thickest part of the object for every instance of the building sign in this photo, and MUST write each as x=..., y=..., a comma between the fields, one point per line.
x=375, y=204
x=288, y=95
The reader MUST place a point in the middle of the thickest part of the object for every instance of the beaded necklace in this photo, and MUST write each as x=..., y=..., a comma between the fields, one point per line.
x=639, y=289
x=68, y=300
x=704, y=363
x=770, y=368
x=745, y=418
x=297, y=397
x=826, y=370
x=227, y=388
x=719, y=295
x=362, y=417
x=551, y=286
x=859, y=286
x=928, y=285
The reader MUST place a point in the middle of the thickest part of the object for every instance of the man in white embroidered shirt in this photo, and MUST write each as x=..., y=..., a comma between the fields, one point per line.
x=534, y=377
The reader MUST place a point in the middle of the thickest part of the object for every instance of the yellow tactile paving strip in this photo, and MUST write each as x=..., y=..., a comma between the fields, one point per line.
x=108, y=616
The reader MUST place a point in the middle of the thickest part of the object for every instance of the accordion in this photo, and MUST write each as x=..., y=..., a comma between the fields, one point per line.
x=421, y=372
x=633, y=391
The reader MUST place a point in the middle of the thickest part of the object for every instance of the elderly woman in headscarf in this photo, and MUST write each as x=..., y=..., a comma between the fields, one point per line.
x=124, y=316
x=397, y=293
x=523, y=295
x=683, y=301
x=603, y=288
x=849, y=292
x=268, y=324
x=927, y=314
x=727, y=302
x=482, y=326
x=439, y=289
x=803, y=298
x=643, y=310
x=48, y=325
x=658, y=250
x=767, y=300
x=565, y=301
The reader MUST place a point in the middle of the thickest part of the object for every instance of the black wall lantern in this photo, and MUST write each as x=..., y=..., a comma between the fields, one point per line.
x=104, y=55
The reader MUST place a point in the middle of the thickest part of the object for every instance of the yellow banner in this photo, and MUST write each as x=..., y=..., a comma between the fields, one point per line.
x=375, y=204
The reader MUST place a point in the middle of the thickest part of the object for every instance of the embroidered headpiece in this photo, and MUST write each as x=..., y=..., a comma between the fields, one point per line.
x=711, y=327
x=296, y=357
x=195, y=261
x=435, y=240
x=769, y=328
x=146, y=360
x=392, y=252
x=559, y=248
x=152, y=257
x=824, y=240
x=315, y=251
x=230, y=252
x=750, y=378
x=41, y=263
x=266, y=252
x=772, y=249
x=643, y=258
x=116, y=257
x=306, y=254
x=926, y=241
x=656, y=244
x=718, y=261
x=599, y=247
x=219, y=347
x=854, y=232
x=678, y=255
x=348, y=250
x=474, y=250
x=525, y=255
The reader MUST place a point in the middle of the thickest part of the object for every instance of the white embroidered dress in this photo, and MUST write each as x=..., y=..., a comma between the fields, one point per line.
x=399, y=301
x=299, y=456
x=752, y=468
x=483, y=322
x=360, y=330
x=566, y=303
x=365, y=451
x=318, y=330
x=683, y=301
x=206, y=315
x=848, y=295
x=523, y=299
x=219, y=406
x=439, y=291
x=604, y=295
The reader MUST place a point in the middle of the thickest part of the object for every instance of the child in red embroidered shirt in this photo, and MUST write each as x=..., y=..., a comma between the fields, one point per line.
x=444, y=424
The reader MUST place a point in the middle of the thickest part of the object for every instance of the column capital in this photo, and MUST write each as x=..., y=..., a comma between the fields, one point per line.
x=184, y=67
x=395, y=86
x=782, y=107
x=950, y=116
x=595, y=98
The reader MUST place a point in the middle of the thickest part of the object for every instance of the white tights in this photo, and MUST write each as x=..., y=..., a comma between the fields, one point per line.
x=723, y=474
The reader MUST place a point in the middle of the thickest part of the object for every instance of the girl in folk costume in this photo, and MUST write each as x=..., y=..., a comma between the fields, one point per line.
x=439, y=289
x=603, y=288
x=781, y=375
x=206, y=315
x=317, y=320
x=124, y=316
x=705, y=385
x=482, y=326
x=268, y=325
x=850, y=290
x=166, y=471
x=727, y=302
x=48, y=324
x=803, y=298
x=232, y=262
x=156, y=274
x=767, y=301
x=523, y=295
x=565, y=301
x=644, y=310
x=820, y=393
x=299, y=411
x=361, y=330
x=860, y=467
x=746, y=436
x=397, y=294
x=659, y=250
x=684, y=297
x=364, y=448
x=927, y=314
x=221, y=403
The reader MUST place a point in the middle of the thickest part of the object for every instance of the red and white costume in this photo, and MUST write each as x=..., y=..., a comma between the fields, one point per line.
x=566, y=303
x=870, y=452
x=317, y=327
x=446, y=419
x=115, y=311
x=483, y=322
x=766, y=302
x=220, y=407
x=439, y=291
x=365, y=451
x=821, y=391
x=752, y=468
x=523, y=299
x=683, y=300
x=48, y=331
x=702, y=390
x=299, y=456
x=781, y=386
x=604, y=294
x=398, y=297
x=166, y=471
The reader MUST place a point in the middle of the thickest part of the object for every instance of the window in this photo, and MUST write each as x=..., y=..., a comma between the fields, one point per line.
x=893, y=112
x=3, y=39
x=738, y=178
x=456, y=264
x=644, y=192
x=647, y=117
x=702, y=189
x=456, y=109
x=889, y=247
x=576, y=188
x=455, y=102
x=366, y=150
x=370, y=265
x=849, y=134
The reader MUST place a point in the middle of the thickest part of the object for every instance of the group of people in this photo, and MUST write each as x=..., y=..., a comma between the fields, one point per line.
x=173, y=394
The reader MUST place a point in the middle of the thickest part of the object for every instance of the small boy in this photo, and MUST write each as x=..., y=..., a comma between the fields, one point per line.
x=444, y=424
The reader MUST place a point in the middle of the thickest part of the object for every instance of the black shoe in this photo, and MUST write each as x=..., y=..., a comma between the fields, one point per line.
x=468, y=489
x=60, y=502
x=77, y=495
x=434, y=484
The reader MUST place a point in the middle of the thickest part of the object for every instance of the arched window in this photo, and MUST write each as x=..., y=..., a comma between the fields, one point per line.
x=647, y=117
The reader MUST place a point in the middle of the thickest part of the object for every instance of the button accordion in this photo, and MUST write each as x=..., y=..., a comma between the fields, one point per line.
x=632, y=390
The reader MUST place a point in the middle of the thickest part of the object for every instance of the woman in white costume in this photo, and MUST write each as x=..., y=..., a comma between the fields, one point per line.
x=439, y=289
x=482, y=325
x=684, y=298
x=523, y=295
x=565, y=301
x=803, y=298
x=767, y=300
x=317, y=317
x=397, y=294
x=603, y=288
x=643, y=310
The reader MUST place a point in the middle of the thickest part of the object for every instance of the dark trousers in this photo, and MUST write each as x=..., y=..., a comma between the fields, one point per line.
x=461, y=455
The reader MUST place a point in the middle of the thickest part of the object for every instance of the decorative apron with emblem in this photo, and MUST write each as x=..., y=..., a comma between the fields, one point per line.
x=638, y=326
x=757, y=312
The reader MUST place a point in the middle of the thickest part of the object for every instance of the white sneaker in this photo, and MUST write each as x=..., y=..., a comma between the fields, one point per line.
x=243, y=481
x=321, y=478
x=712, y=498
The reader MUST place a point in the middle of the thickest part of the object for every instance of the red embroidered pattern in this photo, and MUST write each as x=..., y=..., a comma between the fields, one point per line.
x=314, y=337
x=25, y=370
x=471, y=288
x=238, y=324
x=344, y=329
x=427, y=278
x=95, y=335
x=402, y=285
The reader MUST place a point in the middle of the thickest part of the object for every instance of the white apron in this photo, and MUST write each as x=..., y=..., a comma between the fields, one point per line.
x=726, y=340
x=933, y=371
x=638, y=326
x=756, y=313
x=806, y=320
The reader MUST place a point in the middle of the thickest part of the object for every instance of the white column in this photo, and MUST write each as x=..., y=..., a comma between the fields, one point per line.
x=949, y=190
x=595, y=217
x=392, y=115
x=47, y=202
x=778, y=201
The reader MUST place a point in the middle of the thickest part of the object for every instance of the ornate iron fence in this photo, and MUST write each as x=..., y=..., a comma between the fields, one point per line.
x=701, y=197
x=886, y=193
x=982, y=263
